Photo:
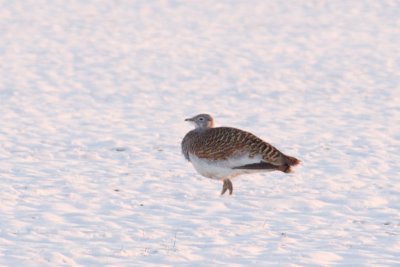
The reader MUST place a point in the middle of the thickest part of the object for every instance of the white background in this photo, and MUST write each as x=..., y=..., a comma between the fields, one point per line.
x=93, y=97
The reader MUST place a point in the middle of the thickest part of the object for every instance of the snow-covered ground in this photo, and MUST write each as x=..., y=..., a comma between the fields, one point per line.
x=93, y=95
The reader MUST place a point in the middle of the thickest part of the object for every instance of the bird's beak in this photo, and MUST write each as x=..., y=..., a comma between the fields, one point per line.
x=189, y=119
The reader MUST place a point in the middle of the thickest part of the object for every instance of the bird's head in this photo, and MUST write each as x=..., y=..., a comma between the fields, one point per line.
x=202, y=121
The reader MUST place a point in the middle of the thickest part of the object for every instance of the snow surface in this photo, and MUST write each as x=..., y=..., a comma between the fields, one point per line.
x=93, y=95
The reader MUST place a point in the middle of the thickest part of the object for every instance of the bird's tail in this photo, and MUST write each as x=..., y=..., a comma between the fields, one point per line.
x=290, y=161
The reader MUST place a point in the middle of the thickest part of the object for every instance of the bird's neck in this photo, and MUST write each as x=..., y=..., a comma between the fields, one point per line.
x=201, y=129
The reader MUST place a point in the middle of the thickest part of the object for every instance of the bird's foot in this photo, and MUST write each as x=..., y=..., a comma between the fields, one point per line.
x=227, y=186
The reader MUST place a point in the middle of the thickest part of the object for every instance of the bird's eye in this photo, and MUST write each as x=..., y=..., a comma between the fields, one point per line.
x=201, y=119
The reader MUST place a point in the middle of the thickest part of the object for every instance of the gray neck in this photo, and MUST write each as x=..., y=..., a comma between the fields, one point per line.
x=201, y=129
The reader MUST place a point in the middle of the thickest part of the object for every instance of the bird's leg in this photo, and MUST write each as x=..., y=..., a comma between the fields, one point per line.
x=227, y=186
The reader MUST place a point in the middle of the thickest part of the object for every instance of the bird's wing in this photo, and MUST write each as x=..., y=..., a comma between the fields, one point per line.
x=257, y=166
x=224, y=142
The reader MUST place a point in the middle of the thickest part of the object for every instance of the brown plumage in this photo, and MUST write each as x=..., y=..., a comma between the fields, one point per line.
x=224, y=142
x=231, y=149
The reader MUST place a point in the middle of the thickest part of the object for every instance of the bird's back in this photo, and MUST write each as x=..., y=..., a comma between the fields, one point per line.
x=221, y=143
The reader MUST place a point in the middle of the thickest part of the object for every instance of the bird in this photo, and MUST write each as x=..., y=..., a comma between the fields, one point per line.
x=222, y=153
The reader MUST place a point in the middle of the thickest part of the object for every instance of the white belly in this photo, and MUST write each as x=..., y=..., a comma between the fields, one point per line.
x=222, y=169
